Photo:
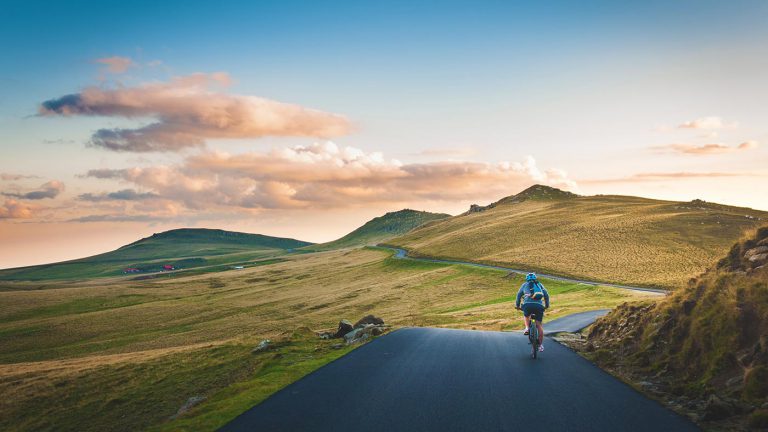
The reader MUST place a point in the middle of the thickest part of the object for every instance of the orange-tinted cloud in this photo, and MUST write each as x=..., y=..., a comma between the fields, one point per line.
x=324, y=175
x=748, y=145
x=116, y=64
x=705, y=149
x=13, y=209
x=708, y=123
x=189, y=110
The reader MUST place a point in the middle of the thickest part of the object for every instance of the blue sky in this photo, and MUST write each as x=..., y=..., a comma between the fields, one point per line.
x=598, y=90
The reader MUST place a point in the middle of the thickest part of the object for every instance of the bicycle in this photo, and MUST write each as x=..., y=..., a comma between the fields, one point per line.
x=533, y=336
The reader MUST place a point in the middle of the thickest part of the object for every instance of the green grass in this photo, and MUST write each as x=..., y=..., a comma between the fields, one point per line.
x=145, y=395
x=182, y=248
x=381, y=229
x=291, y=360
x=614, y=239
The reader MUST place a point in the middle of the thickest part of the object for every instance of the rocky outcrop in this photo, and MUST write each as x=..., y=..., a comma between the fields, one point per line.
x=344, y=327
x=365, y=328
x=262, y=346
x=364, y=333
x=707, y=342
x=369, y=319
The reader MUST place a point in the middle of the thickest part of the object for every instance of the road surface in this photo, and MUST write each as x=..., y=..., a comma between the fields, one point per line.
x=574, y=322
x=403, y=254
x=430, y=379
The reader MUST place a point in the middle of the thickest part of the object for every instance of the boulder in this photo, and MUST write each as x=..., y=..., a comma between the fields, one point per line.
x=191, y=402
x=756, y=251
x=369, y=319
x=363, y=333
x=357, y=336
x=352, y=336
x=758, y=258
x=262, y=346
x=344, y=327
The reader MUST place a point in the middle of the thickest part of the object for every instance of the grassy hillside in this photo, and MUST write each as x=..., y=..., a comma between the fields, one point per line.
x=182, y=248
x=382, y=228
x=604, y=238
x=706, y=345
x=142, y=348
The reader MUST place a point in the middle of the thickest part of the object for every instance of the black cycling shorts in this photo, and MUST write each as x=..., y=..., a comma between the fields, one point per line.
x=535, y=309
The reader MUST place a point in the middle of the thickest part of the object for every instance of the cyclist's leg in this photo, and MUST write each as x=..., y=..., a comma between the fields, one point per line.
x=526, y=317
x=539, y=325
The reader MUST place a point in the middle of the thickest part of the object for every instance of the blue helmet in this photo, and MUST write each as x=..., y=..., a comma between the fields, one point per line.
x=530, y=277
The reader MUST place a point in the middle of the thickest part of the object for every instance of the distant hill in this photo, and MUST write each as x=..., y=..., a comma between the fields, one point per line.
x=382, y=228
x=706, y=342
x=608, y=238
x=181, y=248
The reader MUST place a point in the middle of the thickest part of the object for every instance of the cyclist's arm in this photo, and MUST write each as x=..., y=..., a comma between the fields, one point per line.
x=546, y=297
x=519, y=296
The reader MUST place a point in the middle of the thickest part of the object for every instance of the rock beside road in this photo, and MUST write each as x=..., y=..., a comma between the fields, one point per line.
x=344, y=327
x=369, y=319
x=363, y=333
x=188, y=405
x=365, y=328
x=262, y=346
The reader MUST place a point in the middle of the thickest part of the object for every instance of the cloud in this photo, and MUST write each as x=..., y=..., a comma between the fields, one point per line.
x=12, y=209
x=116, y=64
x=118, y=218
x=14, y=177
x=748, y=145
x=189, y=110
x=51, y=189
x=708, y=123
x=324, y=175
x=121, y=195
x=705, y=149
x=661, y=176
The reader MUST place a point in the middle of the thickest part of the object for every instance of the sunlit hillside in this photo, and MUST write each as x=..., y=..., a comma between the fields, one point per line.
x=605, y=238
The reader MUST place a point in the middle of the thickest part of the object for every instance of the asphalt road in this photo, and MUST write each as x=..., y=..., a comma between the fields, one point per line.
x=574, y=322
x=403, y=254
x=428, y=379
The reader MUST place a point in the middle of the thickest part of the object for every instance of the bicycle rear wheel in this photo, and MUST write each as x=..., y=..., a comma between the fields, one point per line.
x=533, y=335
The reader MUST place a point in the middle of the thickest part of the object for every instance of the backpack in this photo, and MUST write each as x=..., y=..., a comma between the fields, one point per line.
x=534, y=291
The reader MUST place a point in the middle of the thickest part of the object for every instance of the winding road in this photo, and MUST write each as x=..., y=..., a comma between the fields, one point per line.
x=441, y=380
x=403, y=254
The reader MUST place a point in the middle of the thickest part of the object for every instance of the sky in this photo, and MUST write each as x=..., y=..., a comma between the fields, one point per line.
x=306, y=119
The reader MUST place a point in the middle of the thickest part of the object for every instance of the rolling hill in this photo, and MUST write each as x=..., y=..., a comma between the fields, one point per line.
x=606, y=238
x=181, y=248
x=381, y=229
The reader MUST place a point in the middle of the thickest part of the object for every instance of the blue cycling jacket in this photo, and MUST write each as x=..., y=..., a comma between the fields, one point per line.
x=524, y=294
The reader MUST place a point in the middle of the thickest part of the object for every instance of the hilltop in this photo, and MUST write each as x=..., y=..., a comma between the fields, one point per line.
x=609, y=238
x=180, y=248
x=706, y=344
x=382, y=228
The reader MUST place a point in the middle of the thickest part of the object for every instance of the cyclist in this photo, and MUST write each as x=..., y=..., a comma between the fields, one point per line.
x=535, y=299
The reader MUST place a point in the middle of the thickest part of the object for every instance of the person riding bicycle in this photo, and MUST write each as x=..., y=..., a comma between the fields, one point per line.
x=535, y=299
